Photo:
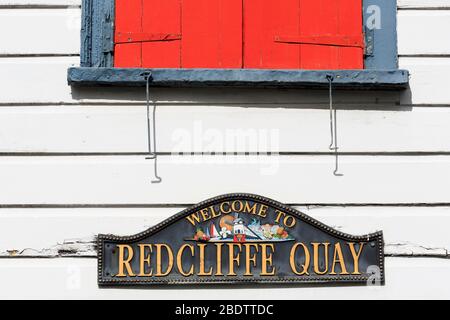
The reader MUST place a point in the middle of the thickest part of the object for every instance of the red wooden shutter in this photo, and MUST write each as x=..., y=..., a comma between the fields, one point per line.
x=128, y=20
x=262, y=34
x=264, y=19
x=305, y=34
x=148, y=33
x=212, y=34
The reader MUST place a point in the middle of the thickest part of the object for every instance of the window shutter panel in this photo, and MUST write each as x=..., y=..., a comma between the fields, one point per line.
x=162, y=17
x=338, y=18
x=261, y=34
x=148, y=33
x=263, y=20
x=305, y=34
x=212, y=34
x=128, y=19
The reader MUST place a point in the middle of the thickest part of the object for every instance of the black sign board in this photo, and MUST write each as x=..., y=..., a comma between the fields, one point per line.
x=240, y=239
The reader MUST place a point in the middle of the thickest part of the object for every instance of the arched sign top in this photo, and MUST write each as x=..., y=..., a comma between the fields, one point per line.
x=240, y=238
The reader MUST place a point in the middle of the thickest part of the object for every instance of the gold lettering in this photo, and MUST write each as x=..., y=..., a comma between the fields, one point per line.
x=316, y=257
x=263, y=211
x=222, y=207
x=267, y=260
x=250, y=258
x=214, y=213
x=159, y=272
x=288, y=221
x=194, y=218
x=279, y=215
x=205, y=214
x=219, y=259
x=143, y=260
x=356, y=256
x=202, y=271
x=125, y=262
x=234, y=206
x=232, y=258
x=338, y=257
x=250, y=209
x=180, y=262
x=305, y=266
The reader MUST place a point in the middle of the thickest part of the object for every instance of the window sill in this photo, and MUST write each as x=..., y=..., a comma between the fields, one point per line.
x=361, y=79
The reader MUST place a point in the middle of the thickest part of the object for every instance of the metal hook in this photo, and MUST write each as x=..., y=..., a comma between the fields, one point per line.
x=333, y=127
x=151, y=120
x=157, y=179
x=330, y=79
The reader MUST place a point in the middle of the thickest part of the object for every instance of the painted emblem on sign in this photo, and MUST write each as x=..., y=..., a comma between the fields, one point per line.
x=234, y=229
x=240, y=238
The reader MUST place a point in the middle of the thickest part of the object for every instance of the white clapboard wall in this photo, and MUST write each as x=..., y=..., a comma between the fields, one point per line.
x=72, y=161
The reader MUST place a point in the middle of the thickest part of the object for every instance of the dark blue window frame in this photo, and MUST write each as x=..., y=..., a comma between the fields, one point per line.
x=381, y=58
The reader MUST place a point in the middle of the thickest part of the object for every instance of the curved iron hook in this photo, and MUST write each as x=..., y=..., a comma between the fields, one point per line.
x=151, y=120
x=333, y=126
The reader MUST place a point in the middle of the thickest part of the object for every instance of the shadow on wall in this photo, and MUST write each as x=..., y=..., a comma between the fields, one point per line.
x=343, y=99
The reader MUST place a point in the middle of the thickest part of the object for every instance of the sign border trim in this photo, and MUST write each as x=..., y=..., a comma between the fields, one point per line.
x=376, y=236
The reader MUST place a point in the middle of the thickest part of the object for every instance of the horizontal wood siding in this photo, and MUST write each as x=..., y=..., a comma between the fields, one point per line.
x=72, y=160
x=222, y=128
x=409, y=231
x=191, y=179
x=76, y=278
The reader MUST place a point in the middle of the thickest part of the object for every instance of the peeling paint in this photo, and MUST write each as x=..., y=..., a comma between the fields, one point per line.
x=407, y=249
x=87, y=248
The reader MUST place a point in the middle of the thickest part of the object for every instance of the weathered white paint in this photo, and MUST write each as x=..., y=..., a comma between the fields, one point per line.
x=222, y=129
x=34, y=90
x=191, y=179
x=76, y=278
x=52, y=31
x=86, y=248
x=429, y=28
x=423, y=4
x=428, y=83
x=37, y=3
x=70, y=232
x=41, y=113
